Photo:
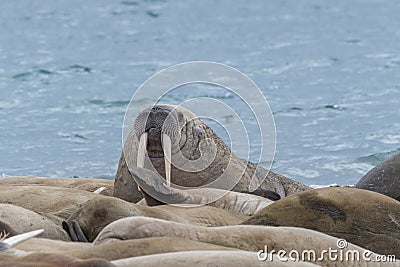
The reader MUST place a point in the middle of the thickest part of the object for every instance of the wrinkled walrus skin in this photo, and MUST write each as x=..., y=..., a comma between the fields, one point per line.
x=159, y=125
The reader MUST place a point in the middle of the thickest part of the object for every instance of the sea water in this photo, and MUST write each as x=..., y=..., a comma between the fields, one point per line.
x=329, y=69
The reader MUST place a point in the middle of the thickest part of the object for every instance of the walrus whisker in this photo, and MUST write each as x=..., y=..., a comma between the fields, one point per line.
x=3, y=235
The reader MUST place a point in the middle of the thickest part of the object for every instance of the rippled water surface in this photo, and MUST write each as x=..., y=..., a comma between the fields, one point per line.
x=330, y=70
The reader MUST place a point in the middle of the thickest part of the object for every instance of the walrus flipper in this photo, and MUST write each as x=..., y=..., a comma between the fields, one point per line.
x=74, y=231
x=264, y=193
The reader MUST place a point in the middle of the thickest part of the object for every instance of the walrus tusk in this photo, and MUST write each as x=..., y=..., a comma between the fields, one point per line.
x=99, y=190
x=141, y=150
x=15, y=240
x=166, y=144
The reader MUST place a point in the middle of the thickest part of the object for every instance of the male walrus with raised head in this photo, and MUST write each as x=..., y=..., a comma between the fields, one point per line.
x=165, y=134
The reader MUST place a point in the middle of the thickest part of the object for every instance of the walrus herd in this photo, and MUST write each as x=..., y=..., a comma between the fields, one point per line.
x=162, y=211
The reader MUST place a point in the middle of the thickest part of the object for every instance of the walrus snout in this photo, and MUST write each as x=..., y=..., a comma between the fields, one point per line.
x=154, y=146
x=158, y=130
x=158, y=118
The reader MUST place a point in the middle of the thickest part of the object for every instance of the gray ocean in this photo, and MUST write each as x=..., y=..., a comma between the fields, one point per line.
x=330, y=71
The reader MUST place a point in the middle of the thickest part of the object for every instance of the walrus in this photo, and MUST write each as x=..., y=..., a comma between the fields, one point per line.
x=173, y=142
x=87, y=184
x=245, y=237
x=117, y=250
x=384, y=178
x=87, y=222
x=362, y=217
x=39, y=244
x=208, y=258
x=56, y=203
x=51, y=260
x=24, y=220
x=133, y=252
x=9, y=256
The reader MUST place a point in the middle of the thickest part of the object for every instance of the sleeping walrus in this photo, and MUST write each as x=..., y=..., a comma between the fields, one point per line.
x=186, y=152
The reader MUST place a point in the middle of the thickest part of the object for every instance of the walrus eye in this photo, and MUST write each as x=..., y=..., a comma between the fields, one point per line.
x=199, y=131
x=180, y=116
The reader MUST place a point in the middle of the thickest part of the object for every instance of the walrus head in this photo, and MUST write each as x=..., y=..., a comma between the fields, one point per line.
x=172, y=141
